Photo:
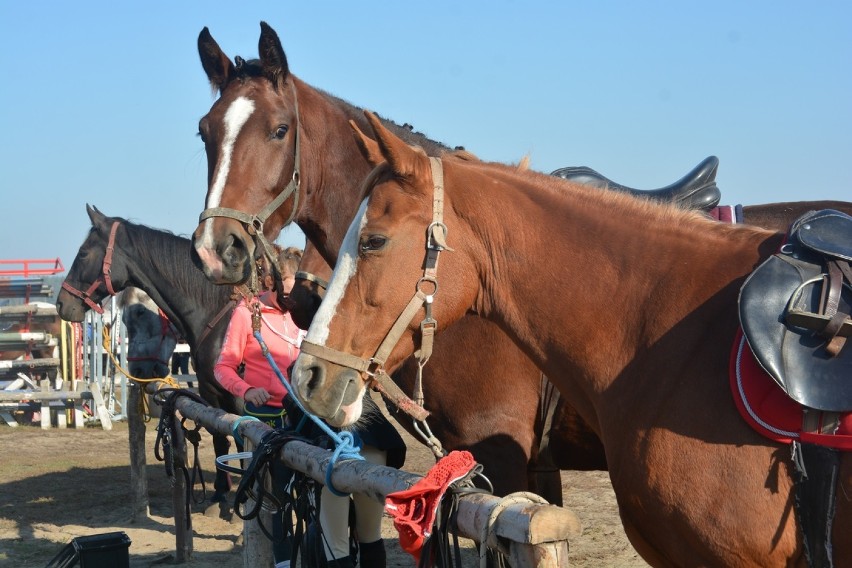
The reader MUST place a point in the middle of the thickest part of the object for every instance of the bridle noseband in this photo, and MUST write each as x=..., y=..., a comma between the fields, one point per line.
x=105, y=277
x=373, y=368
x=254, y=223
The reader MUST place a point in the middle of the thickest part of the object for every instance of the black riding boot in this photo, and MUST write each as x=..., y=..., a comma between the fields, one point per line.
x=372, y=554
x=345, y=562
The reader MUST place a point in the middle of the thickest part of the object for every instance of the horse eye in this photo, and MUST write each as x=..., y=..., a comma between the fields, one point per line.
x=281, y=131
x=201, y=135
x=374, y=242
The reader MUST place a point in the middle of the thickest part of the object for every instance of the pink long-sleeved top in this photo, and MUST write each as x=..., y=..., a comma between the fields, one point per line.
x=282, y=337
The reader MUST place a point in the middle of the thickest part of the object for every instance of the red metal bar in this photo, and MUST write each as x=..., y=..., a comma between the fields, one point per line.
x=41, y=267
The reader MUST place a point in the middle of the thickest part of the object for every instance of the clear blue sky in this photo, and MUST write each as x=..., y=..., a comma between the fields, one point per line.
x=100, y=101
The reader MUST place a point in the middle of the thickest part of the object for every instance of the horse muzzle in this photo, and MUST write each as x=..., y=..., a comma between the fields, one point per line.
x=225, y=256
x=327, y=390
x=70, y=308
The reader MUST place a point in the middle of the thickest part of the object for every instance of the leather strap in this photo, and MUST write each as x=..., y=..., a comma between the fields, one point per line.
x=436, y=241
x=302, y=275
x=105, y=277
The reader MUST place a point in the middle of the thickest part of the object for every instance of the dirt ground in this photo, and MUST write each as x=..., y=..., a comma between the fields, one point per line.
x=56, y=485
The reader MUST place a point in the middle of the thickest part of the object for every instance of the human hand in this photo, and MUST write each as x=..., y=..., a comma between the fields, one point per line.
x=257, y=396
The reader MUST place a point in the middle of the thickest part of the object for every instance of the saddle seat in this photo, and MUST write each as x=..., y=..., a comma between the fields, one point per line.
x=695, y=190
x=795, y=312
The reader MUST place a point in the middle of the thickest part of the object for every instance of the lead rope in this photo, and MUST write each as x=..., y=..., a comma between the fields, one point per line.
x=344, y=442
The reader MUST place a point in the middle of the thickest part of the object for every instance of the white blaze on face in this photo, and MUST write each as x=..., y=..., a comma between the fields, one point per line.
x=344, y=270
x=235, y=118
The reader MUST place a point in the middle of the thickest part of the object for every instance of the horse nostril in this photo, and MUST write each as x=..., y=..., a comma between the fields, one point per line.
x=317, y=377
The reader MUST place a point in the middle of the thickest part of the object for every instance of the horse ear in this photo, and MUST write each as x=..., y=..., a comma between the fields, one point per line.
x=369, y=147
x=98, y=219
x=272, y=58
x=402, y=158
x=216, y=64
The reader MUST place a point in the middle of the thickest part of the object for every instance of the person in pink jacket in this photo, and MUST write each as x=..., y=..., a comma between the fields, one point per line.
x=243, y=370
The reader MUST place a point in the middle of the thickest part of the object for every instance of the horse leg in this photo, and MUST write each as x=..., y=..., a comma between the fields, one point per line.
x=547, y=482
x=222, y=482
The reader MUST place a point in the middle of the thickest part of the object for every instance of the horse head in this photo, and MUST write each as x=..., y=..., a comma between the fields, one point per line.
x=381, y=304
x=311, y=283
x=151, y=339
x=251, y=137
x=94, y=274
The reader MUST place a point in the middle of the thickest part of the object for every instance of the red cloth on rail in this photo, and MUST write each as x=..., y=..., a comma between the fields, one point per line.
x=414, y=509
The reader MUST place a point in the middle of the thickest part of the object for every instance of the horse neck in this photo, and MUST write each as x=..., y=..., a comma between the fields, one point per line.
x=182, y=294
x=333, y=167
x=592, y=279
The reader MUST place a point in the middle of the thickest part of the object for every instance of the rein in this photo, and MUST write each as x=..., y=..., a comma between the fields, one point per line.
x=105, y=277
x=377, y=377
x=254, y=223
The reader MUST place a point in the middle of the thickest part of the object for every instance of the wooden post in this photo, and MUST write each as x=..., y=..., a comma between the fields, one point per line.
x=139, y=505
x=45, y=405
x=181, y=500
x=257, y=549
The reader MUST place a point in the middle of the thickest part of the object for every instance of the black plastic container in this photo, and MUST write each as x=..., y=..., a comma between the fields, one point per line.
x=107, y=550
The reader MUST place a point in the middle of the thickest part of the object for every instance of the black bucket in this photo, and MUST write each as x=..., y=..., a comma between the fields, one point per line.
x=107, y=550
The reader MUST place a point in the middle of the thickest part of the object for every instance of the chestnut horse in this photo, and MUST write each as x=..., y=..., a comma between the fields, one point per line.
x=156, y=262
x=249, y=135
x=243, y=152
x=629, y=307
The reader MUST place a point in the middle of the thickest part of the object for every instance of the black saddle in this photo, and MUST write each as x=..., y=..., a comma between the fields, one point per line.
x=795, y=312
x=695, y=190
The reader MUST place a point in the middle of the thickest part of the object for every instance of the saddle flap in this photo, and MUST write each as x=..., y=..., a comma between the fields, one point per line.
x=828, y=232
x=795, y=357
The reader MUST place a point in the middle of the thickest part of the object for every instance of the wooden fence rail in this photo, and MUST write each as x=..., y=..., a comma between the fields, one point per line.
x=538, y=535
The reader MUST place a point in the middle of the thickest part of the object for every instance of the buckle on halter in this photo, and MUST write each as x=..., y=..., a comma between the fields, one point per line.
x=436, y=236
x=374, y=367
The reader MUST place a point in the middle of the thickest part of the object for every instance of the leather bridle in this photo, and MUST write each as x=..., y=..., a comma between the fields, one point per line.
x=254, y=223
x=373, y=368
x=104, y=278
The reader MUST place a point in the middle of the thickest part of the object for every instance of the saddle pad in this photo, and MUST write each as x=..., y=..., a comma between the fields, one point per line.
x=768, y=409
x=795, y=358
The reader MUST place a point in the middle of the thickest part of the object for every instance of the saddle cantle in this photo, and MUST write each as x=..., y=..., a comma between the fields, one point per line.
x=795, y=312
x=695, y=190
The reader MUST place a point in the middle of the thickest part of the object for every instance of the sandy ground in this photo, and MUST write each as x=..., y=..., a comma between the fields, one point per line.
x=61, y=484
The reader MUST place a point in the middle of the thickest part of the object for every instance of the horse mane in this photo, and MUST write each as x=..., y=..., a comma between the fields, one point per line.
x=247, y=69
x=171, y=253
x=618, y=203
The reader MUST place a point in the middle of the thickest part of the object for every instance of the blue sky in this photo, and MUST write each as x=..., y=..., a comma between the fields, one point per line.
x=100, y=101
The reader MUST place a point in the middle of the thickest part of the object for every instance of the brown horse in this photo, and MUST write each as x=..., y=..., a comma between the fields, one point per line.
x=258, y=95
x=258, y=101
x=629, y=307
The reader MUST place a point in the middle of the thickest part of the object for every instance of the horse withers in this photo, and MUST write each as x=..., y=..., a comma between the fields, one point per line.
x=632, y=315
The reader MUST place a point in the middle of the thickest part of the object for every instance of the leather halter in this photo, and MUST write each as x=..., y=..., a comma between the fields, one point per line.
x=104, y=278
x=310, y=277
x=254, y=223
x=373, y=368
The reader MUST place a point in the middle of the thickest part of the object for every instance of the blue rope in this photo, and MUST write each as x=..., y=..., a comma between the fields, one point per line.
x=236, y=432
x=344, y=442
